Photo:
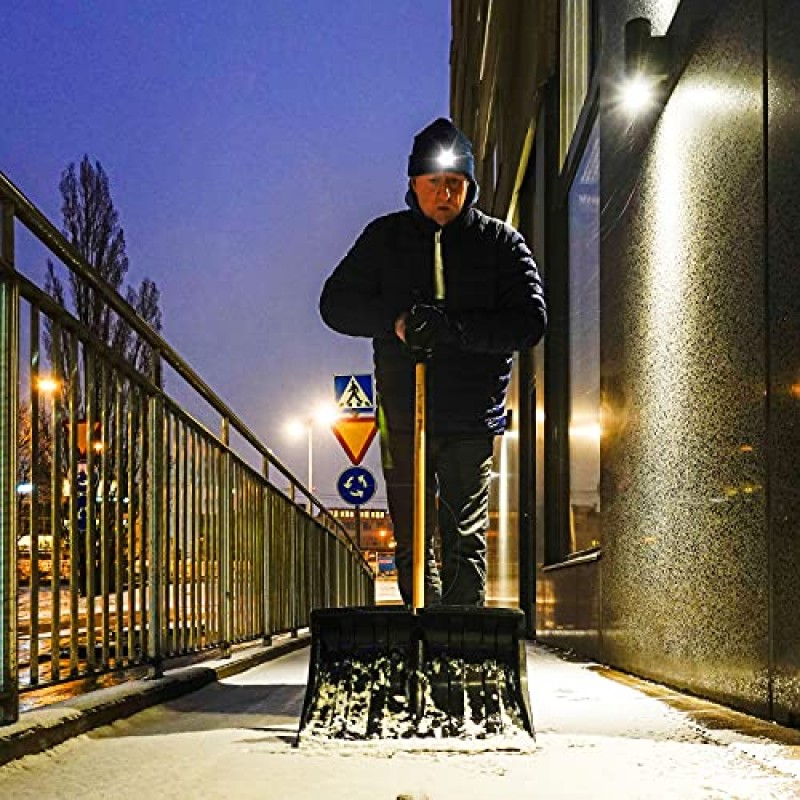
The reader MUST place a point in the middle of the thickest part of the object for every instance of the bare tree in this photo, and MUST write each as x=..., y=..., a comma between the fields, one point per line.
x=26, y=458
x=90, y=222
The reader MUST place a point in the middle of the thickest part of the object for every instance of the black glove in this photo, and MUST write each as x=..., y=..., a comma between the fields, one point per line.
x=428, y=326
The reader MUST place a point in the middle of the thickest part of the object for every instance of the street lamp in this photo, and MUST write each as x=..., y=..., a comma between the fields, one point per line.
x=48, y=385
x=324, y=415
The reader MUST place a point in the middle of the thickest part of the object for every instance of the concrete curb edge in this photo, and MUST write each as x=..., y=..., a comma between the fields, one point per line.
x=44, y=728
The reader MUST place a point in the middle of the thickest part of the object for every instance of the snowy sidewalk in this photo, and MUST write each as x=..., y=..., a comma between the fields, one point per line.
x=599, y=735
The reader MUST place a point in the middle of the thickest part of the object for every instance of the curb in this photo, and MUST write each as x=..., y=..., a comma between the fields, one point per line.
x=44, y=728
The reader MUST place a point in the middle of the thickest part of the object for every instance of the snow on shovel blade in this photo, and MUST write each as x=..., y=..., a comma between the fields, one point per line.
x=476, y=672
x=385, y=673
x=359, y=673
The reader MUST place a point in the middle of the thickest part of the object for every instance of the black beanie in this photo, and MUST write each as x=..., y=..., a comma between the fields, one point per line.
x=442, y=135
x=429, y=143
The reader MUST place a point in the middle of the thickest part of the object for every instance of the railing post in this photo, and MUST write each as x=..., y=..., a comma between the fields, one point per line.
x=9, y=368
x=226, y=600
x=298, y=552
x=156, y=528
x=267, y=633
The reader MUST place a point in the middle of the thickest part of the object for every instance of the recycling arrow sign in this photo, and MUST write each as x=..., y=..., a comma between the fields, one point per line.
x=356, y=486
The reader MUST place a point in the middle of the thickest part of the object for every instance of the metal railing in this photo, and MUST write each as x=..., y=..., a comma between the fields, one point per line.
x=141, y=535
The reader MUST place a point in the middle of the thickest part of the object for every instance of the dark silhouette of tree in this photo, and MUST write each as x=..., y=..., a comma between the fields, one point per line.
x=42, y=456
x=91, y=225
x=25, y=453
x=90, y=222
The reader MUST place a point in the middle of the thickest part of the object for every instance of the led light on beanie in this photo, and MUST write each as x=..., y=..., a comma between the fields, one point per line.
x=446, y=158
x=442, y=147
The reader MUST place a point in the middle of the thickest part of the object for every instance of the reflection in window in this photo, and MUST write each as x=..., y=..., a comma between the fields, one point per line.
x=575, y=43
x=584, y=349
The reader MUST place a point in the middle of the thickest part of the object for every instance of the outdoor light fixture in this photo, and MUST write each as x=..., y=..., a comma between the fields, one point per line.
x=325, y=415
x=648, y=63
x=446, y=158
x=638, y=93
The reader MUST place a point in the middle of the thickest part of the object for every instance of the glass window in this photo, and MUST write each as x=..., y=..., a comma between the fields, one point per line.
x=584, y=349
x=574, y=59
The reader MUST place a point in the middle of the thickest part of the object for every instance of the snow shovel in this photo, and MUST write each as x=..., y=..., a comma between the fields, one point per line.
x=438, y=673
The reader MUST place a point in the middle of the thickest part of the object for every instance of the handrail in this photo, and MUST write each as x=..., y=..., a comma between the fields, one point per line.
x=49, y=235
x=158, y=541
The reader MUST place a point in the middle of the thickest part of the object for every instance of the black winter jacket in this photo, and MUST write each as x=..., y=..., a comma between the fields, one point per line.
x=492, y=289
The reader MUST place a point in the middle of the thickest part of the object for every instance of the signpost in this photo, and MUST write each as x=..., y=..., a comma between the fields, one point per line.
x=355, y=429
x=355, y=436
x=356, y=486
x=355, y=394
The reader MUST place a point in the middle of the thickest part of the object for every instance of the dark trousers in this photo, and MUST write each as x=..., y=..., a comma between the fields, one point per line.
x=458, y=471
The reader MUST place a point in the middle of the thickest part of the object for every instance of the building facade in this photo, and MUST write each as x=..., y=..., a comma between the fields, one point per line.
x=371, y=530
x=648, y=150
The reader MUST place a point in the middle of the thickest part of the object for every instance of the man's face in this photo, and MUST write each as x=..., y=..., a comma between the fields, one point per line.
x=440, y=195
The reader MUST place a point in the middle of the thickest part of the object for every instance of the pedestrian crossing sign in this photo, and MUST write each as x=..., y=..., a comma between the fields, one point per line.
x=355, y=394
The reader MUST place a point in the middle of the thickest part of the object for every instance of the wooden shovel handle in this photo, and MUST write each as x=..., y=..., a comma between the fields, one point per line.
x=418, y=586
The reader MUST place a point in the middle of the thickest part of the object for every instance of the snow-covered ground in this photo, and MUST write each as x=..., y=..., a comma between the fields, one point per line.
x=596, y=738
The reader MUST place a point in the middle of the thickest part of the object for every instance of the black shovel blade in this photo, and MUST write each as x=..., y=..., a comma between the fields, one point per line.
x=386, y=673
x=359, y=673
x=476, y=670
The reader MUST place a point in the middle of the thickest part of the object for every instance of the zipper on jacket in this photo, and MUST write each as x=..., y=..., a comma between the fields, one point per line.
x=438, y=266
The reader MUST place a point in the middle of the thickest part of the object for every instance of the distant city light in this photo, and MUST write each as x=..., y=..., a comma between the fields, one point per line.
x=327, y=414
x=295, y=428
x=47, y=385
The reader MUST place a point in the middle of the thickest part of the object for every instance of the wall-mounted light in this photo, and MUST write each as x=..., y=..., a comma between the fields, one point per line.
x=648, y=63
x=638, y=94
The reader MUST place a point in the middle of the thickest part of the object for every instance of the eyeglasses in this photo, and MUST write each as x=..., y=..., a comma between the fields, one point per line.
x=453, y=183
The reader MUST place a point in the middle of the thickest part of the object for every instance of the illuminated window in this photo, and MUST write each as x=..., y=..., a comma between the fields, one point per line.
x=575, y=62
x=584, y=349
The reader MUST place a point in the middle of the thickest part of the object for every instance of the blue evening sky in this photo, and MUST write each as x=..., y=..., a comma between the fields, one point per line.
x=247, y=145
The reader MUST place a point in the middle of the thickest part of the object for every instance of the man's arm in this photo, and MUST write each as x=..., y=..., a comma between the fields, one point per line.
x=520, y=317
x=351, y=300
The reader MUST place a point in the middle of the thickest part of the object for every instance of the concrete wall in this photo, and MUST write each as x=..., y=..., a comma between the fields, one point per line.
x=685, y=567
x=782, y=293
x=699, y=576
